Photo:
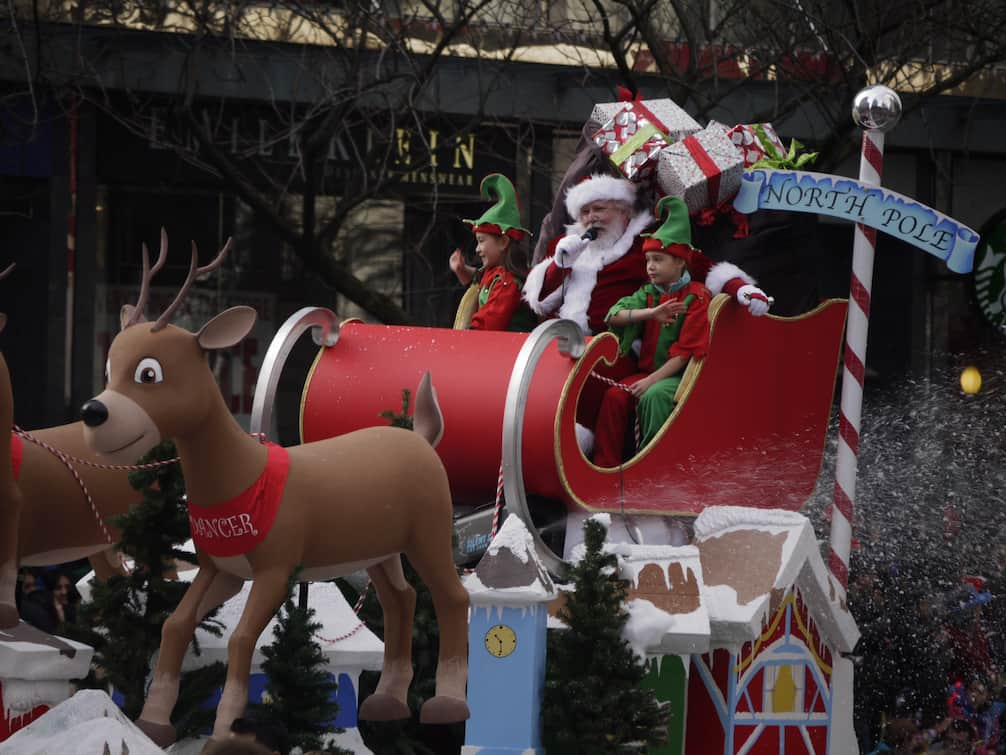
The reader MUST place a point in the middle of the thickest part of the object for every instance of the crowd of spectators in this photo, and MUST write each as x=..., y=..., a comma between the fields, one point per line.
x=47, y=599
x=930, y=663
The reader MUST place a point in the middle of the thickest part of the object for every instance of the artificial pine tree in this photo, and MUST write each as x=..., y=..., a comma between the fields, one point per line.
x=400, y=420
x=594, y=696
x=299, y=687
x=124, y=618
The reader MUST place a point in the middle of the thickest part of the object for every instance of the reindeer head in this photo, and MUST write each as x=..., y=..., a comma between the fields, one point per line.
x=159, y=383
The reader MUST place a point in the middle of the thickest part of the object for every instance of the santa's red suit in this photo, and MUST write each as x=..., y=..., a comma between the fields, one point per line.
x=599, y=276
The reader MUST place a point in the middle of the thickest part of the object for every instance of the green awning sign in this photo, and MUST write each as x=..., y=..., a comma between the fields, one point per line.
x=990, y=271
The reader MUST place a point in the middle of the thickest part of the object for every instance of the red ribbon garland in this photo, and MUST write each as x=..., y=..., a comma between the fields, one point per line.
x=706, y=165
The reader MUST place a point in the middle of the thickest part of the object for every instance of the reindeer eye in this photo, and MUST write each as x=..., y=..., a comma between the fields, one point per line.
x=148, y=371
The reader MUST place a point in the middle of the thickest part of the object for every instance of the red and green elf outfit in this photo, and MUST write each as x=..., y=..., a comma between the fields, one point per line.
x=687, y=336
x=499, y=298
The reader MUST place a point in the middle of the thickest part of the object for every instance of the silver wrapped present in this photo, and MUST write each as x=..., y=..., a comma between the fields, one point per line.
x=704, y=169
x=672, y=121
x=632, y=140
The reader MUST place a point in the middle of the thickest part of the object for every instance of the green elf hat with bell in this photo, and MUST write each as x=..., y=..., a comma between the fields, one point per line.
x=503, y=218
x=674, y=237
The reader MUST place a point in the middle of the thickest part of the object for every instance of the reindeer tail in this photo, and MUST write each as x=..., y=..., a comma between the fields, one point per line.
x=427, y=419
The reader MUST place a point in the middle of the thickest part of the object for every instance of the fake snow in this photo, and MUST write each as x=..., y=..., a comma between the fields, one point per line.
x=21, y=696
x=536, y=592
x=718, y=519
x=89, y=723
x=646, y=627
x=514, y=537
x=634, y=558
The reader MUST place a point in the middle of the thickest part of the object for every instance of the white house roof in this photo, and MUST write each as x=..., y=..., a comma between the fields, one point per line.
x=30, y=654
x=751, y=558
x=720, y=590
x=345, y=641
x=667, y=615
x=88, y=723
x=510, y=572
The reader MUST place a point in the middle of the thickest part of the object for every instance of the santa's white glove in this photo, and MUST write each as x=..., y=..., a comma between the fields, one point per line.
x=754, y=299
x=568, y=249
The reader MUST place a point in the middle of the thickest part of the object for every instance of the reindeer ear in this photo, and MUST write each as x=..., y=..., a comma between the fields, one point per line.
x=125, y=313
x=227, y=328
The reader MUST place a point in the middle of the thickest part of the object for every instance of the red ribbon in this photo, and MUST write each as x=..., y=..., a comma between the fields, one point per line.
x=741, y=223
x=709, y=215
x=625, y=95
x=707, y=166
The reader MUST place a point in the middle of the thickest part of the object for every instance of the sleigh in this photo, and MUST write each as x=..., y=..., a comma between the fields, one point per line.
x=749, y=427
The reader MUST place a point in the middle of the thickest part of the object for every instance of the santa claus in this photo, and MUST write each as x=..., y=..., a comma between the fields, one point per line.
x=599, y=260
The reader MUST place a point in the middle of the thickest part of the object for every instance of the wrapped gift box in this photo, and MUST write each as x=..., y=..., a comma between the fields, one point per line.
x=704, y=169
x=674, y=122
x=756, y=142
x=632, y=139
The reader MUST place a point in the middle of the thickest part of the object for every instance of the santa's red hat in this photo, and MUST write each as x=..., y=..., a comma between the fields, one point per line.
x=597, y=187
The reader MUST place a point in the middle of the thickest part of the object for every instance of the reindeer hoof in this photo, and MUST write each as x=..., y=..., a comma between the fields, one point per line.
x=8, y=616
x=443, y=710
x=162, y=735
x=381, y=706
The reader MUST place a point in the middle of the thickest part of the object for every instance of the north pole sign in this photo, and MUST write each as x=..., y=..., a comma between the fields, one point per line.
x=862, y=203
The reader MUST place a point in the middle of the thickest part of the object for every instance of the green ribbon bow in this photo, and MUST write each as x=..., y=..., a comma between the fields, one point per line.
x=795, y=159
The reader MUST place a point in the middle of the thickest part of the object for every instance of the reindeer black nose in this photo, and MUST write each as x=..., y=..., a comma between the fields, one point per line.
x=93, y=412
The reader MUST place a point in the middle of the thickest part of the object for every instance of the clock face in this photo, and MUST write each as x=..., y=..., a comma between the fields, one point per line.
x=500, y=640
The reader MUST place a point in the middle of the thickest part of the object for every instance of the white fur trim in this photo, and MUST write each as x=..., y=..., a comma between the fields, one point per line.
x=583, y=275
x=585, y=439
x=573, y=298
x=722, y=272
x=599, y=186
x=532, y=290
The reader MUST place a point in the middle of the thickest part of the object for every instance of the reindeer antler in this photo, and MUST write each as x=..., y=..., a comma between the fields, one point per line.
x=8, y=270
x=194, y=272
x=148, y=275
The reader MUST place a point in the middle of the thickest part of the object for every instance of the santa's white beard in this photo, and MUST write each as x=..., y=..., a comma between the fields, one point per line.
x=609, y=235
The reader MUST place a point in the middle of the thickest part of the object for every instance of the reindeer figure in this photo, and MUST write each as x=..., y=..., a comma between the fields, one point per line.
x=334, y=506
x=47, y=517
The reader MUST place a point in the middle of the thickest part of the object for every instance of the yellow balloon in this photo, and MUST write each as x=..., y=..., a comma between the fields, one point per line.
x=971, y=380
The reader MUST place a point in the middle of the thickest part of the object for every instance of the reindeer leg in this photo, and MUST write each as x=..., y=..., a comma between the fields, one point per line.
x=269, y=590
x=390, y=701
x=208, y=590
x=433, y=561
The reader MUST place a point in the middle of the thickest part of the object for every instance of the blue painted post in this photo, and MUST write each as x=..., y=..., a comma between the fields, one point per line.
x=507, y=630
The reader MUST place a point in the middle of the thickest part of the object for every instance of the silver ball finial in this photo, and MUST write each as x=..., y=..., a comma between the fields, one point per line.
x=877, y=108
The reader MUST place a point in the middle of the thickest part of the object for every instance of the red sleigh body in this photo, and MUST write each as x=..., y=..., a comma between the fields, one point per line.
x=749, y=428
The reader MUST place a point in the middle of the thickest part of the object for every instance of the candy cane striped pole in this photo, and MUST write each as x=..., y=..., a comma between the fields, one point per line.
x=877, y=110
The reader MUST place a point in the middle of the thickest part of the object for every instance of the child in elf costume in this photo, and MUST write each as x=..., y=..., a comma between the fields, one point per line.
x=668, y=318
x=493, y=300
